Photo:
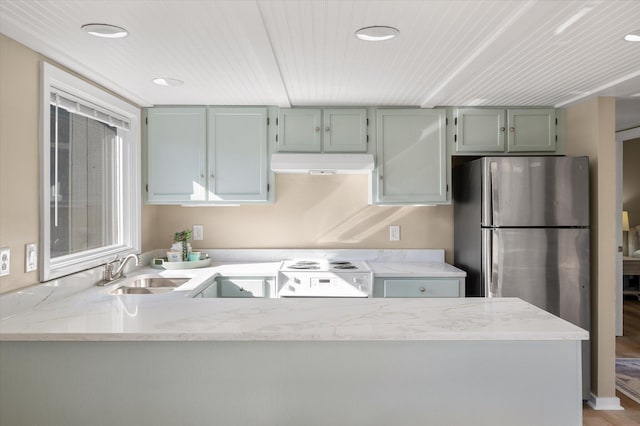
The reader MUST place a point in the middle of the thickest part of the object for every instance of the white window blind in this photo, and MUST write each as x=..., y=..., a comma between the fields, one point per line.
x=85, y=108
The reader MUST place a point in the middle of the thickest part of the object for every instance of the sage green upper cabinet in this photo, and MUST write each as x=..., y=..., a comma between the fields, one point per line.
x=345, y=130
x=411, y=156
x=322, y=130
x=299, y=130
x=480, y=130
x=237, y=159
x=496, y=130
x=531, y=130
x=198, y=155
x=176, y=154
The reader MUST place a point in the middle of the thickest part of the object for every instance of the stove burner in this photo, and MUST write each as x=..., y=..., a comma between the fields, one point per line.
x=345, y=266
x=342, y=264
x=306, y=267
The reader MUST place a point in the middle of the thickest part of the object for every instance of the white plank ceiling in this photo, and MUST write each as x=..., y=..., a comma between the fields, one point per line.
x=289, y=53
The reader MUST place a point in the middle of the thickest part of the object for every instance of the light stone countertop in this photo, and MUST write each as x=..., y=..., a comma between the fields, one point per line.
x=416, y=269
x=144, y=318
x=93, y=314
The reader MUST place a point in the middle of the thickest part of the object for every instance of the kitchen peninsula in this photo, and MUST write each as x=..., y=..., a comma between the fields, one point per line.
x=95, y=358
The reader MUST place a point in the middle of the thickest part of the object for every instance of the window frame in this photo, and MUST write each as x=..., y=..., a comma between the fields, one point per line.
x=129, y=232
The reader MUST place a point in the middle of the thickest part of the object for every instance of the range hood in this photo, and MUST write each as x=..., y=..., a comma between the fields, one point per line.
x=322, y=164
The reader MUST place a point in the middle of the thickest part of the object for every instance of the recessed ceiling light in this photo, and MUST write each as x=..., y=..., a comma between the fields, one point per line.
x=168, y=82
x=634, y=36
x=105, y=30
x=377, y=33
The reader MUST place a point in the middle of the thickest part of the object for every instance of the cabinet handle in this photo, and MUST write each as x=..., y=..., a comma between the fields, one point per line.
x=212, y=176
x=202, y=175
x=512, y=129
x=422, y=289
x=318, y=129
x=326, y=129
x=381, y=177
x=502, y=129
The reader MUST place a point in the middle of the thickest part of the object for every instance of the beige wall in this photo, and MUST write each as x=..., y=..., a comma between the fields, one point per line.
x=19, y=169
x=591, y=131
x=311, y=212
x=631, y=180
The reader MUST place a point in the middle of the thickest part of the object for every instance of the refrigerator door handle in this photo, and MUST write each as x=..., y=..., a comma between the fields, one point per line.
x=492, y=285
x=487, y=193
x=495, y=195
x=489, y=266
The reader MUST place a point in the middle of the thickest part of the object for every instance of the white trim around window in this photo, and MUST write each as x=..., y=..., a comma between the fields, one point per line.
x=127, y=191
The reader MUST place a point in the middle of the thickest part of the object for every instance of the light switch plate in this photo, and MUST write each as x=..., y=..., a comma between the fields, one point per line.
x=5, y=261
x=30, y=257
x=198, y=232
x=394, y=233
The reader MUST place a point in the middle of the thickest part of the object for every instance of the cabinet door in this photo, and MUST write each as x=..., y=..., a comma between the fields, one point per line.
x=345, y=130
x=421, y=287
x=299, y=130
x=242, y=287
x=411, y=156
x=237, y=157
x=532, y=130
x=176, y=154
x=480, y=130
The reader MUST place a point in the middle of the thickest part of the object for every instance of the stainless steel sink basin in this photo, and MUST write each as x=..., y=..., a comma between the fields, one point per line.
x=146, y=282
x=150, y=285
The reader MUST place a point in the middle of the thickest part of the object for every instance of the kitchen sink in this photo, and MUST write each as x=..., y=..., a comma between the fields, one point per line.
x=151, y=285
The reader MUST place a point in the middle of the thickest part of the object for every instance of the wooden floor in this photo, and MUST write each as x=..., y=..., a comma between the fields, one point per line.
x=627, y=346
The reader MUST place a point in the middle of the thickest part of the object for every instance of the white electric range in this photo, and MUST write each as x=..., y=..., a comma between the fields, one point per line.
x=324, y=278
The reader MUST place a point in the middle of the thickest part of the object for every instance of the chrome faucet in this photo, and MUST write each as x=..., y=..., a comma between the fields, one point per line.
x=111, y=275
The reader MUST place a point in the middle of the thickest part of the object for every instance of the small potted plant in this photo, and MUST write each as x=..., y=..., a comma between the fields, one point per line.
x=183, y=238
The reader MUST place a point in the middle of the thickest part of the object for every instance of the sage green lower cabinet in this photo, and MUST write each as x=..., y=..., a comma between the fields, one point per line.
x=411, y=157
x=418, y=287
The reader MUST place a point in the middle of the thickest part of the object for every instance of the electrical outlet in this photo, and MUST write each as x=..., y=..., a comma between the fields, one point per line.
x=30, y=257
x=394, y=233
x=5, y=261
x=198, y=232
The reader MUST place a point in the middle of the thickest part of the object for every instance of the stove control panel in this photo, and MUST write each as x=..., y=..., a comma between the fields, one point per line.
x=324, y=284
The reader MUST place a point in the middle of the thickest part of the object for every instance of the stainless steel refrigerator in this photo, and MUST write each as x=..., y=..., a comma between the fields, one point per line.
x=521, y=229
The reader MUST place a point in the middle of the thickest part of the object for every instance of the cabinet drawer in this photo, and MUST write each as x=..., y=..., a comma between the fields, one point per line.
x=421, y=288
x=242, y=287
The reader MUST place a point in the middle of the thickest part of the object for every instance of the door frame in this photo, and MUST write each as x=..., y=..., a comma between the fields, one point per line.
x=621, y=136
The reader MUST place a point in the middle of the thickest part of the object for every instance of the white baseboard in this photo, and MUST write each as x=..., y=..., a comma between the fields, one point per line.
x=601, y=403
